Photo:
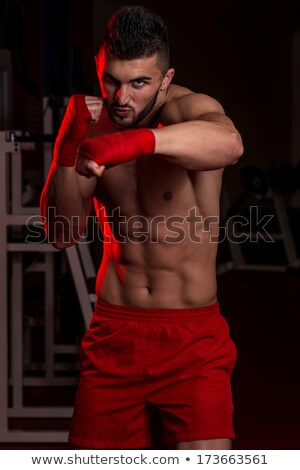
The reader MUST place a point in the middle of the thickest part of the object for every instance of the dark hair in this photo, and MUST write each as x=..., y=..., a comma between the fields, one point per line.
x=134, y=32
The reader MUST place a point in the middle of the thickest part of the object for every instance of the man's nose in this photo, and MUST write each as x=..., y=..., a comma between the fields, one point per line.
x=122, y=95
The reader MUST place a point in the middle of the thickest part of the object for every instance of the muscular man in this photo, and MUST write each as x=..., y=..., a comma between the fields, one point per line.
x=150, y=155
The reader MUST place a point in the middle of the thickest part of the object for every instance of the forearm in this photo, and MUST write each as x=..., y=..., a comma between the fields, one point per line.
x=67, y=197
x=65, y=204
x=199, y=145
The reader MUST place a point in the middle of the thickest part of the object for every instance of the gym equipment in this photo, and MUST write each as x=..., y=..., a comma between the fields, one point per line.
x=265, y=189
x=21, y=259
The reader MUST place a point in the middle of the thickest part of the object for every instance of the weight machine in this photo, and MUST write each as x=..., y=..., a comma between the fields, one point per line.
x=17, y=369
x=264, y=189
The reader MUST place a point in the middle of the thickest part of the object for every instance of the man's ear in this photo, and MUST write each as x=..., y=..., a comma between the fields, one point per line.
x=167, y=79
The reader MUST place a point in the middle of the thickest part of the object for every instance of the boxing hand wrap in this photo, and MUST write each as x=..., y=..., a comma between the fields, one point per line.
x=72, y=132
x=121, y=147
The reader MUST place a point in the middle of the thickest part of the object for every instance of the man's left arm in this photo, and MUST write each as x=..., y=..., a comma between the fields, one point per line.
x=198, y=135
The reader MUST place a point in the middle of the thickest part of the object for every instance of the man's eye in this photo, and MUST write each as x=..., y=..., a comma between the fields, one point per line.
x=138, y=83
x=109, y=80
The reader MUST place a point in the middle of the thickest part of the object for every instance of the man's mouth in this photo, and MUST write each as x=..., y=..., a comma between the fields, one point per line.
x=121, y=111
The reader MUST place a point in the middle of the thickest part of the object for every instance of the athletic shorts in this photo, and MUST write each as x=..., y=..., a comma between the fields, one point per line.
x=176, y=360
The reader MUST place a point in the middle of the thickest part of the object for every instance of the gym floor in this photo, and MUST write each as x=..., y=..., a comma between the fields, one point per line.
x=262, y=309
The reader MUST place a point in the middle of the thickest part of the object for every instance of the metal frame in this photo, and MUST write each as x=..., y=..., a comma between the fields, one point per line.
x=13, y=214
x=6, y=80
x=238, y=261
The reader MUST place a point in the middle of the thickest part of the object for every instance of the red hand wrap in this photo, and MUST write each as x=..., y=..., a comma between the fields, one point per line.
x=72, y=132
x=121, y=147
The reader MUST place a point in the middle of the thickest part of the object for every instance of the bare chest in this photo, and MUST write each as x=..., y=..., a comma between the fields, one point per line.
x=149, y=186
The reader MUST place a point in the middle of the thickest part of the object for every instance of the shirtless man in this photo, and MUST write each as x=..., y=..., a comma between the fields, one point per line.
x=150, y=155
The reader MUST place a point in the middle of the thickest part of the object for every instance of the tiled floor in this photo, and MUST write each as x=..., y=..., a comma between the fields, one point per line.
x=263, y=312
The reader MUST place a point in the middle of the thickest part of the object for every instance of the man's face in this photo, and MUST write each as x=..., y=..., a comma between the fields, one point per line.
x=130, y=88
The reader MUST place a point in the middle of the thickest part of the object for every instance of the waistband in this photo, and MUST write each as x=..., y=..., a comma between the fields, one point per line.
x=124, y=312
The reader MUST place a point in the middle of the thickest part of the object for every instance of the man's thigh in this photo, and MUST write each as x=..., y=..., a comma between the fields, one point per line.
x=209, y=444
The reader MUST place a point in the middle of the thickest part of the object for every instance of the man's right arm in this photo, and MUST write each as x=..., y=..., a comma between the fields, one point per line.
x=67, y=197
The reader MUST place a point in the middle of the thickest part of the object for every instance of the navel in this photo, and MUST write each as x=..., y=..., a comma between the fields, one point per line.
x=167, y=195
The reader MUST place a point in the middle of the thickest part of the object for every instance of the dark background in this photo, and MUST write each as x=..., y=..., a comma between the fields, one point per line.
x=240, y=52
x=243, y=54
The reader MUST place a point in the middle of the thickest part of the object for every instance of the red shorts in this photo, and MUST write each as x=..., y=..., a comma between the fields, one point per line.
x=177, y=360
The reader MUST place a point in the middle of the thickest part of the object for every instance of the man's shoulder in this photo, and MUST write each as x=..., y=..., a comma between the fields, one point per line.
x=184, y=104
x=176, y=91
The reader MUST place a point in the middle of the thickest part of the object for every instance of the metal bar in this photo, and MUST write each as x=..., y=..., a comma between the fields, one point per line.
x=47, y=129
x=38, y=436
x=16, y=329
x=86, y=260
x=49, y=316
x=3, y=291
x=80, y=284
x=40, y=412
x=23, y=219
x=38, y=247
x=16, y=183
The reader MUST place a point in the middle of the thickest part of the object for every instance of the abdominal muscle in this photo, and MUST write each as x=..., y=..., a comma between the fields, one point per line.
x=158, y=276
x=171, y=265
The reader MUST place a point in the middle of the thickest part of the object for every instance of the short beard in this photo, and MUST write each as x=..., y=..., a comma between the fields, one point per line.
x=136, y=118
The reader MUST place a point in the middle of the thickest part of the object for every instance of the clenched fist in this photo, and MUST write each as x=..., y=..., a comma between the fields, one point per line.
x=94, y=105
